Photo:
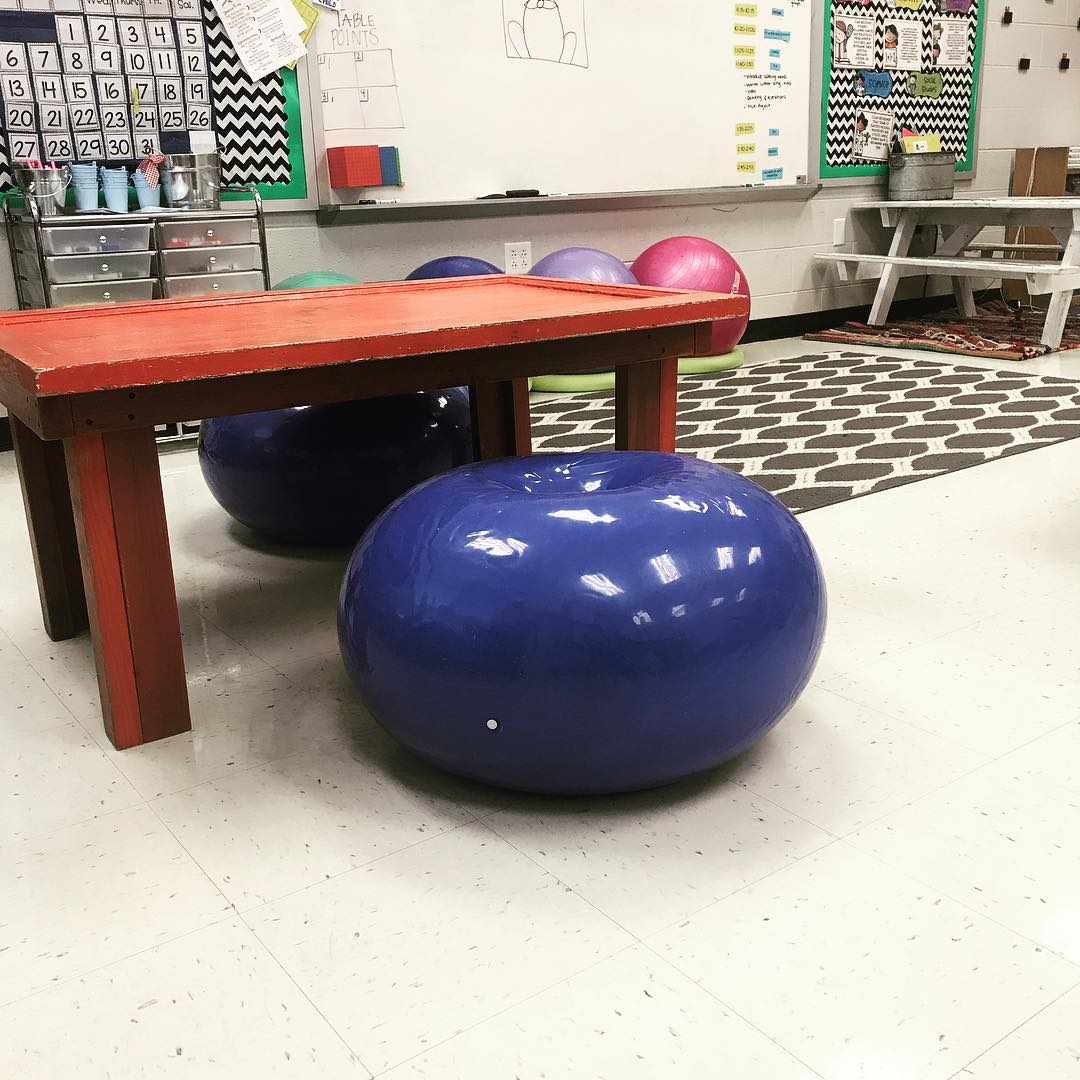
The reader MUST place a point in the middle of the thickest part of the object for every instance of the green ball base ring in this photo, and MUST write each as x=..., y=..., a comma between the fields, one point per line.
x=588, y=382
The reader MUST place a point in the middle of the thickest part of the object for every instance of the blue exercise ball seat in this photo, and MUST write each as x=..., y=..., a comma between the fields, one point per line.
x=320, y=474
x=582, y=623
x=453, y=266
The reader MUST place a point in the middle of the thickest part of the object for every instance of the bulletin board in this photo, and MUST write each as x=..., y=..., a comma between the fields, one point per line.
x=115, y=80
x=898, y=63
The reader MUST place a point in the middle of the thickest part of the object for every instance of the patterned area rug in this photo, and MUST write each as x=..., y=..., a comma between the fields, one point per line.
x=821, y=429
x=999, y=333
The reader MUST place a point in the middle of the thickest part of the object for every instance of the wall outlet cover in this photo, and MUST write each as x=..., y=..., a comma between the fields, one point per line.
x=518, y=257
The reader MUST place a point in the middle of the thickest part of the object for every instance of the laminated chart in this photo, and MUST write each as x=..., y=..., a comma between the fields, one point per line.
x=116, y=80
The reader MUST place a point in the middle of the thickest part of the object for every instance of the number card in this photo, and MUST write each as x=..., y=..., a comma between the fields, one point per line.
x=19, y=116
x=132, y=33
x=13, y=56
x=58, y=146
x=191, y=35
x=89, y=145
x=48, y=89
x=171, y=119
x=70, y=31
x=76, y=59
x=102, y=31
x=85, y=117
x=137, y=61
x=160, y=34
x=147, y=144
x=169, y=91
x=114, y=119
x=110, y=89
x=16, y=87
x=23, y=146
x=194, y=62
x=118, y=146
x=198, y=91
x=198, y=117
x=160, y=8
x=45, y=59
x=53, y=117
x=166, y=62
x=79, y=88
x=144, y=119
x=105, y=59
x=141, y=91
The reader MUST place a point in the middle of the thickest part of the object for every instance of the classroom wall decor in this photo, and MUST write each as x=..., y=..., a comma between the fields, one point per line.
x=568, y=97
x=119, y=79
x=898, y=63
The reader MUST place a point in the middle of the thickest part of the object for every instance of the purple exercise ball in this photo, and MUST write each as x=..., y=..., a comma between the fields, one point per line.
x=584, y=264
x=692, y=262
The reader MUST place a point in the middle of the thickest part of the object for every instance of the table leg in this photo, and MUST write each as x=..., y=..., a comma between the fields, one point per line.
x=1061, y=300
x=965, y=297
x=501, y=425
x=47, y=502
x=890, y=276
x=645, y=400
x=134, y=624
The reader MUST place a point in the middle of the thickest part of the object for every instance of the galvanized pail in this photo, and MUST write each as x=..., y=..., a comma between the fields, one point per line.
x=922, y=176
x=192, y=181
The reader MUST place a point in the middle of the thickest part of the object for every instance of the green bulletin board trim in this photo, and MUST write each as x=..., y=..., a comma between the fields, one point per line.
x=297, y=187
x=833, y=172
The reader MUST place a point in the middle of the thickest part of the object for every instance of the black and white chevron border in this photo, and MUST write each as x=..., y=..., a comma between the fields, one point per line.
x=949, y=114
x=249, y=117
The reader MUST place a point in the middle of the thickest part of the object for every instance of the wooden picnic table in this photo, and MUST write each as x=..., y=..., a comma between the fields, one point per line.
x=85, y=387
x=959, y=256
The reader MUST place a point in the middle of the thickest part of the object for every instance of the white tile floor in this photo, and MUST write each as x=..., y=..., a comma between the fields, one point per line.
x=887, y=888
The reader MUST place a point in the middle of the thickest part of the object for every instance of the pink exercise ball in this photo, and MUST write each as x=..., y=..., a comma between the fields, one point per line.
x=692, y=262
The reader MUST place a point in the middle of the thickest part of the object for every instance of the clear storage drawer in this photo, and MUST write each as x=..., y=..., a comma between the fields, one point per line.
x=209, y=233
x=113, y=292
x=218, y=260
x=85, y=239
x=68, y=269
x=213, y=284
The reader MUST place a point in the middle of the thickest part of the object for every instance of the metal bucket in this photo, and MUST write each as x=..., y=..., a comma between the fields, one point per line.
x=192, y=181
x=47, y=187
x=922, y=176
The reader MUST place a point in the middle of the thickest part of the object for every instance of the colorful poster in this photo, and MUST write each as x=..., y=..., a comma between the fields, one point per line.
x=903, y=44
x=950, y=42
x=873, y=134
x=853, y=41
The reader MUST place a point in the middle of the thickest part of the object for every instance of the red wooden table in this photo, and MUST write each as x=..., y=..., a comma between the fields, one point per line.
x=86, y=386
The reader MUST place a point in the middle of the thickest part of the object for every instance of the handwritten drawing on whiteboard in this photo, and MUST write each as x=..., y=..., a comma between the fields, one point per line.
x=552, y=30
x=359, y=90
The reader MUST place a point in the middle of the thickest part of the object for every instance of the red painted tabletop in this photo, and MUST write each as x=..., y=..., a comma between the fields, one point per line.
x=77, y=350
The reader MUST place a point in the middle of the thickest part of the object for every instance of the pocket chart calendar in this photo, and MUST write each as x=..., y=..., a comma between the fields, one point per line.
x=115, y=80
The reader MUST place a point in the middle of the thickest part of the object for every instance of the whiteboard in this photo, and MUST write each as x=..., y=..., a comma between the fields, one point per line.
x=566, y=96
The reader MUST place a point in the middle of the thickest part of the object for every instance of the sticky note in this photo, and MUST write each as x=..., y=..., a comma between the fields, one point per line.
x=747, y=29
x=778, y=35
x=774, y=151
x=745, y=50
x=745, y=129
x=774, y=133
x=775, y=52
x=778, y=12
x=746, y=166
x=745, y=148
x=745, y=65
x=773, y=174
x=747, y=10
x=774, y=66
x=911, y=5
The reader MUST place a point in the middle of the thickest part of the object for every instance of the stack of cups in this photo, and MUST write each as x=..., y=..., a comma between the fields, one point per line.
x=115, y=183
x=148, y=196
x=84, y=180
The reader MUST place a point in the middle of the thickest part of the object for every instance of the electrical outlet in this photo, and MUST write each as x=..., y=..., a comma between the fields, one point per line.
x=518, y=257
x=839, y=231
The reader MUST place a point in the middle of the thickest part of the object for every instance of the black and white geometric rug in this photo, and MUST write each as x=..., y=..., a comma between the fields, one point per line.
x=821, y=429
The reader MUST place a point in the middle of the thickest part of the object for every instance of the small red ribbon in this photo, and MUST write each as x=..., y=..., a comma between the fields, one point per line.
x=149, y=168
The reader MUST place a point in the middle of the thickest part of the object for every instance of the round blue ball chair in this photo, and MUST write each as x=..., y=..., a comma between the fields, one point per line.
x=582, y=623
x=321, y=474
x=453, y=266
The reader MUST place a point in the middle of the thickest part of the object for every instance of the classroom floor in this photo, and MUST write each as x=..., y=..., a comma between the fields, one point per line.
x=887, y=888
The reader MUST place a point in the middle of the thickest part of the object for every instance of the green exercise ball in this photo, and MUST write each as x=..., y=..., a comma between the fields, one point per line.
x=315, y=279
